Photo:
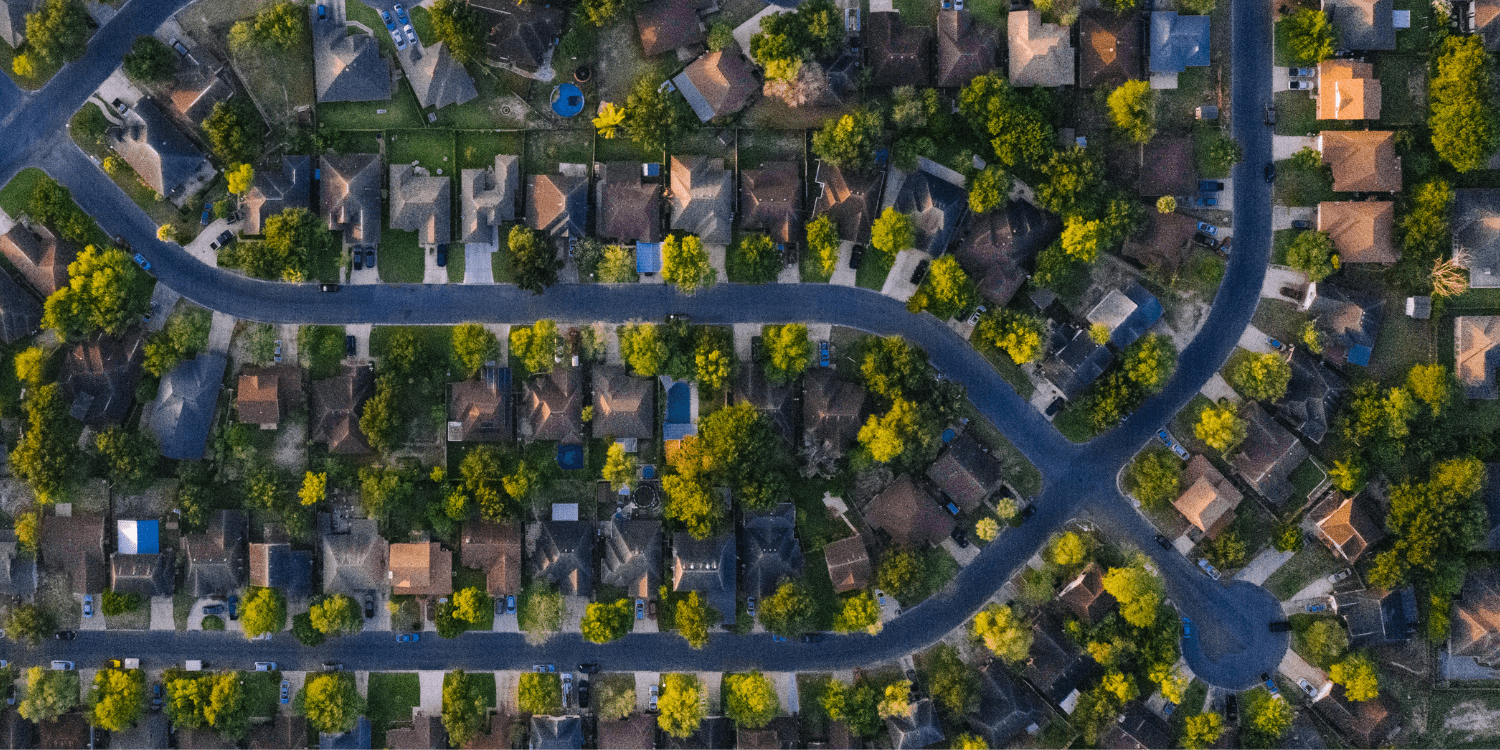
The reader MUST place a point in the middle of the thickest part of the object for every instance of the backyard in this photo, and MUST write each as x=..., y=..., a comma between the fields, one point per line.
x=392, y=696
x=1310, y=563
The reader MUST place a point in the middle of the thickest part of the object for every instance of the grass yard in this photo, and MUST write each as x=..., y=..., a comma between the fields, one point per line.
x=17, y=193
x=872, y=270
x=431, y=149
x=1282, y=41
x=1305, y=478
x=1398, y=107
x=1073, y=422
x=280, y=81
x=1310, y=563
x=810, y=268
x=500, y=259
x=262, y=692
x=624, y=149
x=1280, y=319
x=1254, y=526
x=321, y=349
x=484, y=682
x=1302, y=187
x=1281, y=244
x=493, y=106
x=456, y=261
x=391, y=697
x=400, y=112
x=545, y=149
x=1203, y=140
x=918, y=12
x=1297, y=114
x=435, y=340
x=1403, y=342
x=401, y=258
x=810, y=691
x=39, y=78
x=1466, y=718
x=353, y=141
x=815, y=575
x=477, y=149
x=756, y=147
x=993, y=12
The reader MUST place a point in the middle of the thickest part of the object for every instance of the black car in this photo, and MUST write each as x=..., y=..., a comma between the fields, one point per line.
x=349, y=346
x=813, y=638
x=589, y=668
x=329, y=287
x=856, y=256
x=1163, y=542
x=1280, y=626
x=124, y=245
x=1270, y=171
x=1028, y=513
x=918, y=272
x=234, y=607
x=225, y=237
x=1232, y=707
x=332, y=666
x=369, y=606
x=65, y=635
x=1056, y=406
x=583, y=693
x=1301, y=224
x=960, y=538
x=442, y=259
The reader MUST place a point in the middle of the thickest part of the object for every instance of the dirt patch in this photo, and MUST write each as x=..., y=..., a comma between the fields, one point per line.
x=15, y=496
x=1470, y=721
x=140, y=619
x=1185, y=318
x=152, y=502
x=290, y=449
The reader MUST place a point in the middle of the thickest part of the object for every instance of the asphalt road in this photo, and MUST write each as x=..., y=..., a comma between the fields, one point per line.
x=1231, y=649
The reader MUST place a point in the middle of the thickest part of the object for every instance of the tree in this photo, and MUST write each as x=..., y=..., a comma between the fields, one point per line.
x=539, y=693
x=1312, y=253
x=50, y=693
x=1074, y=184
x=1359, y=677
x=1003, y=632
x=617, y=265
x=314, y=488
x=1267, y=719
x=693, y=618
x=1310, y=34
x=105, y=292
x=1325, y=641
x=1464, y=126
x=787, y=351
x=720, y=37
x=609, y=121
x=33, y=366
x=535, y=347
x=1202, y=730
x=1432, y=385
x=620, y=468
x=1150, y=361
x=757, y=257
x=1423, y=227
x=42, y=457
x=1068, y=550
x=946, y=291
x=240, y=178
x=1139, y=592
x=603, y=623
x=381, y=416
x=304, y=632
x=1226, y=550
x=988, y=528
x=533, y=259
x=1260, y=377
x=1082, y=238
x=750, y=700
x=264, y=611
x=642, y=347
x=474, y=345
x=281, y=25
x=1432, y=521
x=891, y=233
x=296, y=241
x=601, y=13
x=1132, y=109
x=854, y=705
x=117, y=698
x=789, y=611
x=856, y=613
x=459, y=26
x=130, y=456
x=29, y=623
x=464, y=708
x=893, y=368
x=330, y=701
x=231, y=134
x=898, y=434
x=29, y=531
x=823, y=239
x=968, y=741
x=616, y=699
x=337, y=614
x=901, y=574
x=1166, y=204
x=1220, y=427
x=990, y=190
x=1017, y=334
x=652, y=116
x=952, y=683
x=849, y=141
x=150, y=60
x=58, y=30
x=685, y=263
x=896, y=702
x=1021, y=134
x=24, y=65
x=683, y=705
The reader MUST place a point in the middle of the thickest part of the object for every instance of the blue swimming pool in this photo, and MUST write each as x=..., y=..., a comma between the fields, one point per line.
x=679, y=404
x=567, y=100
x=570, y=457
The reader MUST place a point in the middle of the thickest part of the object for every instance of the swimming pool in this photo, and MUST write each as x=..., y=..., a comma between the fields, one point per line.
x=679, y=404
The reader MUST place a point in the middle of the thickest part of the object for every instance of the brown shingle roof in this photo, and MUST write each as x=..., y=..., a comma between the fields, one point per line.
x=1345, y=525
x=425, y=732
x=1165, y=243
x=481, y=409
x=897, y=54
x=1476, y=618
x=1363, y=161
x=258, y=398
x=554, y=406
x=629, y=208
x=41, y=256
x=557, y=205
x=1210, y=499
x=336, y=407
x=1085, y=594
x=848, y=563
x=849, y=200
x=217, y=558
x=421, y=569
x=831, y=409
x=273, y=192
x=1110, y=51
x=966, y=473
x=725, y=80
x=908, y=513
x=966, y=49
x=1268, y=455
x=1364, y=723
x=284, y=732
x=495, y=548
x=74, y=546
x=1360, y=230
x=1348, y=90
x=1477, y=354
x=632, y=733
x=349, y=196
x=624, y=407
x=1040, y=53
x=702, y=197
x=99, y=377
x=666, y=25
x=771, y=200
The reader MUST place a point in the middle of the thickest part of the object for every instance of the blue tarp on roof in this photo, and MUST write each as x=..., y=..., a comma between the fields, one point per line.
x=1360, y=355
x=648, y=257
x=138, y=538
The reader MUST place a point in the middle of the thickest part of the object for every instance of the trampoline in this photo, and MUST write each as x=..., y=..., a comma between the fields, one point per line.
x=570, y=457
x=648, y=472
x=567, y=100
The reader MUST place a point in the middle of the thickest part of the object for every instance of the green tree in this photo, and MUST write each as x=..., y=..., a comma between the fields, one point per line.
x=1073, y=186
x=989, y=191
x=117, y=699
x=231, y=134
x=1435, y=520
x=330, y=701
x=1020, y=133
x=45, y=450
x=1139, y=592
x=539, y=693
x=685, y=263
x=601, y=13
x=859, y=612
x=1266, y=721
x=535, y=347
x=264, y=611
x=1226, y=550
x=58, y=30
x=297, y=241
x=337, y=614
x=750, y=700
x=461, y=27
x=757, y=257
x=474, y=345
x=848, y=141
x=642, y=347
x=282, y=24
x=1017, y=334
x=29, y=623
x=1003, y=632
x=1068, y=550
x=789, y=611
x=1154, y=478
x=1312, y=253
x=902, y=574
x=603, y=623
x=1220, y=427
x=1464, y=126
x=891, y=233
x=693, y=617
x=1359, y=677
x=1324, y=642
x=652, y=116
x=946, y=291
x=953, y=684
x=1083, y=238
x=720, y=37
x=893, y=368
x=620, y=468
x=1202, y=730
x=50, y=693
x=899, y=433
x=1423, y=227
x=1132, y=109
x=464, y=708
x=787, y=351
x=1432, y=385
x=1310, y=34
x=150, y=60
x=617, y=266
x=1150, y=361
x=382, y=416
x=52, y=204
x=105, y=292
x=130, y=456
x=616, y=699
x=1260, y=377
x=683, y=705
x=533, y=259
x=854, y=705
x=823, y=240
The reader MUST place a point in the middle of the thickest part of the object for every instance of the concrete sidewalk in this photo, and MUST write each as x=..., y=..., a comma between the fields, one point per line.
x=1263, y=566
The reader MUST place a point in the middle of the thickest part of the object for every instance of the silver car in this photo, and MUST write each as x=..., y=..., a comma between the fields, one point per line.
x=398, y=39
x=411, y=36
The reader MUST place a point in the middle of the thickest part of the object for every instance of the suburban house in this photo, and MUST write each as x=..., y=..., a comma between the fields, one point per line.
x=553, y=405
x=185, y=405
x=558, y=205
x=666, y=25
x=564, y=554
x=702, y=196
x=1348, y=90
x=708, y=567
x=624, y=406
x=521, y=35
x=139, y=565
x=776, y=402
x=1368, y=724
x=1137, y=727
x=99, y=375
x=1128, y=314
x=1475, y=220
x=73, y=547
x=487, y=198
x=423, y=731
x=1177, y=43
x=632, y=556
x=495, y=548
x=262, y=397
x=1363, y=161
x=421, y=203
x=1165, y=243
x=632, y=733
x=1110, y=51
x=20, y=313
x=832, y=410
x=848, y=564
x=277, y=565
x=718, y=84
x=994, y=247
x=1376, y=618
x=17, y=571
x=919, y=730
x=1209, y=500
x=713, y=732
x=436, y=78
x=1004, y=709
x=1480, y=17
x=480, y=410
x=966, y=473
x=72, y=730
x=273, y=192
x=354, y=555
x=769, y=550
x=356, y=738
x=347, y=65
x=1360, y=230
x=420, y=569
x=1055, y=667
x=848, y=198
x=152, y=731
x=1040, y=53
x=906, y=512
x=1349, y=322
x=337, y=404
x=13, y=20
x=349, y=196
x=629, y=207
x=1268, y=455
x=217, y=558
x=897, y=54
x=1312, y=396
x=18, y=732
x=1346, y=525
x=1172, y=170
x=166, y=159
x=781, y=732
x=966, y=49
x=935, y=198
x=285, y=731
x=1476, y=347
x=1076, y=361
x=40, y=255
x=1362, y=25
x=1085, y=595
x=1476, y=619
x=771, y=201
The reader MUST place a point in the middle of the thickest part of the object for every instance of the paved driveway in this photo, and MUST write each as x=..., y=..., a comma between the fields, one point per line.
x=478, y=263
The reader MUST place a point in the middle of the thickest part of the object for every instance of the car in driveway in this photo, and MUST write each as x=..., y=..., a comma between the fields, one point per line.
x=225, y=237
x=1164, y=436
x=750, y=606
x=411, y=36
x=824, y=355
x=974, y=317
x=1207, y=228
x=208, y=214
x=88, y=605
x=1300, y=72
x=1307, y=687
x=390, y=23
x=1296, y=85
x=1180, y=451
x=401, y=13
x=1339, y=576
x=408, y=637
x=265, y=666
x=1232, y=707
x=1209, y=569
x=1205, y=202
x=369, y=606
x=651, y=609
x=510, y=604
x=234, y=607
x=442, y=256
x=959, y=537
x=214, y=609
x=286, y=692
x=350, y=346
x=856, y=256
x=156, y=697
x=399, y=39
x=369, y=257
x=276, y=356
x=583, y=693
x=359, y=260
x=1187, y=628
x=652, y=705
x=1210, y=186
x=1315, y=608
x=322, y=12
x=1301, y=224
x=640, y=609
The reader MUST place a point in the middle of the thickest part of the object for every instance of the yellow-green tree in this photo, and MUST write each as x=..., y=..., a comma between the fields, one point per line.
x=1202, y=730
x=895, y=434
x=1267, y=719
x=33, y=365
x=684, y=262
x=1431, y=384
x=264, y=611
x=946, y=291
x=620, y=468
x=891, y=233
x=1017, y=334
x=1132, y=109
x=472, y=604
x=1220, y=427
x=117, y=698
x=750, y=700
x=539, y=693
x=1003, y=632
x=823, y=240
x=1359, y=677
x=642, y=347
x=693, y=618
x=535, y=345
x=314, y=488
x=336, y=614
x=473, y=345
x=683, y=705
x=464, y=708
x=1068, y=550
x=787, y=351
x=241, y=177
x=1082, y=239
x=1139, y=592
x=858, y=612
x=603, y=623
x=610, y=120
x=896, y=702
x=330, y=701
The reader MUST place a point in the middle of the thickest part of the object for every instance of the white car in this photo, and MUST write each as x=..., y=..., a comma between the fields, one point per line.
x=411, y=36
x=653, y=699
x=265, y=666
x=400, y=40
x=978, y=311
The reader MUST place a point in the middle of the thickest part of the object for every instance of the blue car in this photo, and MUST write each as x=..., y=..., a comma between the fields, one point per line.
x=1164, y=437
x=1187, y=628
x=390, y=24
x=408, y=637
x=401, y=14
x=208, y=214
x=141, y=261
x=823, y=355
x=777, y=639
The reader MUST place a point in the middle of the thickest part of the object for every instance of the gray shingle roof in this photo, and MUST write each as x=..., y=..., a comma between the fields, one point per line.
x=273, y=192
x=1178, y=41
x=702, y=198
x=632, y=556
x=706, y=566
x=160, y=153
x=520, y=34
x=13, y=20
x=354, y=562
x=348, y=68
x=437, y=78
x=20, y=313
x=936, y=206
x=557, y=205
x=487, y=197
x=1362, y=24
x=565, y=556
x=349, y=196
x=421, y=202
x=217, y=560
x=185, y=405
x=770, y=549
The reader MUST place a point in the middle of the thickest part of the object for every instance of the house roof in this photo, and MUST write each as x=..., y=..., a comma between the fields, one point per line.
x=337, y=404
x=624, y=407
x=421, y=569
x=1376, y=617
x=966, y=473
x=348, y=67
x=718, y=84
x=1348, y=90
x=1476, y=346
x=421, y=203
x=437, y=79
x=20, y=313
x=1362, y=24
x=848, y=563
x=481, y=409
x=775, y=402
x=1040, y=53
x=1004, y=710
x=994, y=246
x=1129, y=313
x=1476, y=233
x=1363, y=161
x=1085, y=595
x=1268, y=455
x=1178, y=42
x=147, y=575
x=771, y=201
x=631, y=733
x=40, y=255
x=702, y=198
x=425, y=732
x=13, y=20
x=275, y=191
x=1364, y=723
x=831, y=410
x=198, y=87
x=349, y=196
x=557, y=204
x=1486, y=22
x=565, y=556
x=495, y=548
x=936, y=207
x=554, y=405
x=632, y=556
x=1110, y=51
x=666, y=25
x=357, y=738
x=1209, y=500
x=1346, y=525
x=1136, y=728
x=629, y=208
x=849, y=200
x=1350, y=320
x=919, y=730
x=282, y=732
x=966, y=49
x=1076, y=362
x=1311, y=397
x=17, y=572
x=354, y=561
x=520, y=34
x=1360, y=230
x=1165, y=244
x=780, y=732
x=217, y=559
x=71, y=730
x=1173, y=171
x=487, y=198
x=1476, y=618
x=73, y=546
x=708, y=567
x=713, y=732
x=907, y=512
x=769, y=549
x=1054, y=665
x=150, y=732
x=897, y=54
x=16, y=731
x=278, y=565
x=163, y=156
x=185, y=405
x=260, y=398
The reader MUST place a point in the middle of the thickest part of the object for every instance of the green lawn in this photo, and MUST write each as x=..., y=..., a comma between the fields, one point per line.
x=353, y=141
x=279, y=80
x=872, y=270
x=1073, y=422
x=1403, y=342
x=810, y=690
x=1397, y=105
x=624, y=149
x=17, y=193
x=811, y=268
x=400, y=112
x=39, y=78
x=1203, y=140
x=1281, y=244
x=500, y=259
x=321, y=349
x=918, y=12
x=1305, y=478
x=1280, y=319
x=262, y=692
x=436, y=341
x=545, y=149
x=483, y=681
x=401, y=258
x=456, y=261
x=1282, y=37
x=431, y=149
x=1310, y=563
x=391, y=699
x=477, y=150
x=1297, y=114
x=1302, y=187
x=1007, y=368
x=1463, y=718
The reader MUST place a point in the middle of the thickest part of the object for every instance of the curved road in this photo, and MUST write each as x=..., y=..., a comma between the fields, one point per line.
x=1232, y=647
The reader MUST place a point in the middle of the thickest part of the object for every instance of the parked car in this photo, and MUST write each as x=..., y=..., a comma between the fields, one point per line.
x=401, y=14
x=959, y=537
x=214, y=609
x=265, y=666
x=1232, y=707
x=1314, y=608
x=947, y=4
x=589, y=668
x=1210, y=186
x=640, y=608
x=369, y=606
x=1274, y=344
x=369, y=257
x=1271, y=686
x=411, y=36
x=750, y=605
x=65, y=635
x=141, y=261
x=286, y=692
x=328, y=287
x=1180, y=451
x=1307, y=687
x=974, y=317
x=442, y=256
x=333, y=666
x=652, y=705
x=234, y=607
x=1187, y=628
x=62, y=666
x=390, y=24
x=510, y=604
x=1164, y=436
x=856, y=256
x=1207, y=228
x=350, y=346
x=880, y=595
x=1280, y=626
x=1270, y=171
x=1205, y=240
x=156, y=697
x=276, y=356
x=1028, y=513
x=778, y=638
x=208, y=214
x=1205, y=202
x=951, y=508
x=322, y=12
x=651, y=609
x=124, y=244
x=399, y=39
x=1163, y=542
x=88, y=605
x=225, y=237
x=544, y=668
x=119, y=106
x=359, y=260
x=1296, y=85
x=408, y=637
x=1301, y=224
x=918, y=272
x=1300, y=72
x=1339, y=576
x=824, y=356
x=583, y=693
x=1270, y=115
x=813, y=638
x=1209, y=569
